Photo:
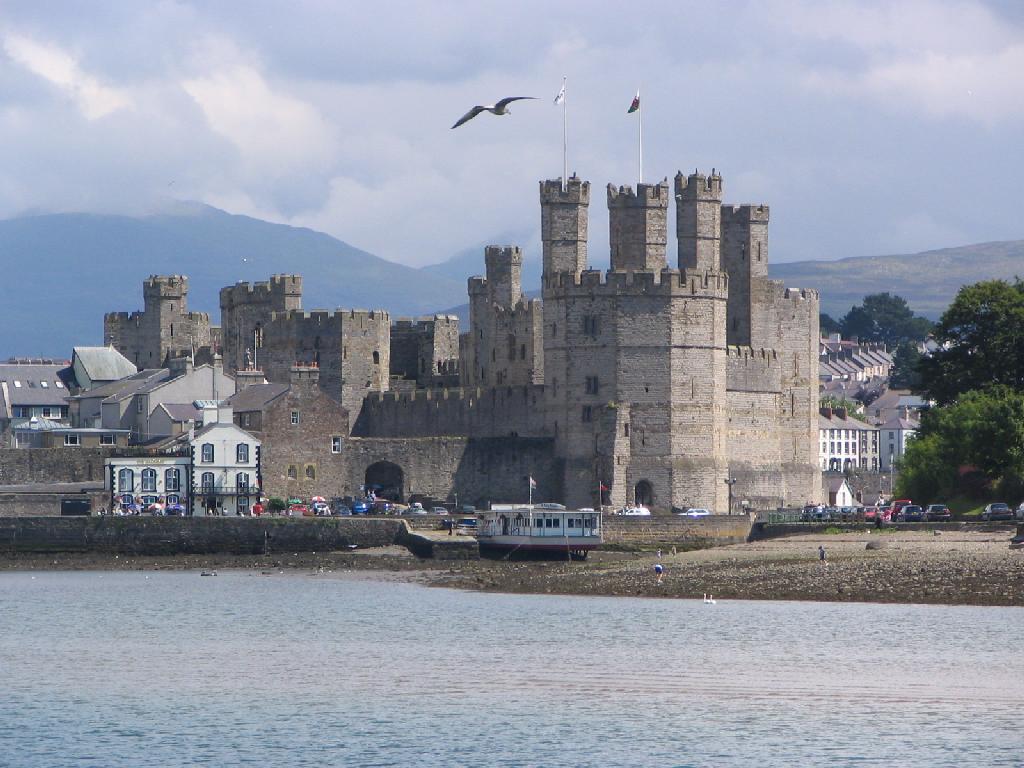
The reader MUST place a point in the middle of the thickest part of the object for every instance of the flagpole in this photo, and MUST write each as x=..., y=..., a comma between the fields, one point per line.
x=565, y=142
x=640, y=145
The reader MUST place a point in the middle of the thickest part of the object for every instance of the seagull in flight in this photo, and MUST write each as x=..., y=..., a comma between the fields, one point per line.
x=501, y=108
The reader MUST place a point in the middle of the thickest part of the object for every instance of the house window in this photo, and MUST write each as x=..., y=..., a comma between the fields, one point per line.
x=71, y=440
x=242, y=481
x=588, y=413
x=295, y=418
x=149, y=479
x=245, y=419
x=138, y=405
x=207, y=453
x=592, y=385
x=126, y=481
x=207, y=482
x=336, y=444
x=172, y=480
x=242, y=453
x=310, y=472
x=108, y=439
x=243, y=505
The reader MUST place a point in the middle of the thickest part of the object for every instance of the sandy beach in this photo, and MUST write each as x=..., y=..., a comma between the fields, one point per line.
x=954, y=567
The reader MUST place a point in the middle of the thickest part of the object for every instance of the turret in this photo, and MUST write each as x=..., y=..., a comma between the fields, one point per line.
x=638, y=226
x=504, y=274
x=698, y=221
x=563, y=226
x=160, y=288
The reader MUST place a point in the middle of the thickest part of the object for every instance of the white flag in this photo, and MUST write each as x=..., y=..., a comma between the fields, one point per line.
x=561, y=94
x=533, y=483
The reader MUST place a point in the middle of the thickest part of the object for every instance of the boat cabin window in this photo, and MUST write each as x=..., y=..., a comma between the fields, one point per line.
x=538, y=523
x=572, y=523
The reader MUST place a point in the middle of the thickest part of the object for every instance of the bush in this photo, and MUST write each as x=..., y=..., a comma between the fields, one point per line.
x=276, y=504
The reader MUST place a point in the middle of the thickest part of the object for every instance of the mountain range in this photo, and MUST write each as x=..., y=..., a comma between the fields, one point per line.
x=59, y=273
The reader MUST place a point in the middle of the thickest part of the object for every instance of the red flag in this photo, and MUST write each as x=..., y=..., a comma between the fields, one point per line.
x=603, y=486
x=635, y=105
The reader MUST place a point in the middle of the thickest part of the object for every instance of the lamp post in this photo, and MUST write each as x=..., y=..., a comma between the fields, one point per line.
x=730, y=481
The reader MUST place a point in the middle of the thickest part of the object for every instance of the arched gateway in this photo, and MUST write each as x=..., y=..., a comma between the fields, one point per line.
x=386, y=480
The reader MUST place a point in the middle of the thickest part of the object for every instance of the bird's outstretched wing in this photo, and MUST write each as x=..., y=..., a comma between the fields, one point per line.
x=509, y=99
x=469, y=115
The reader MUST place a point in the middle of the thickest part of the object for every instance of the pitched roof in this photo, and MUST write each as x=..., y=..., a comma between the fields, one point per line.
x=256, y=397
x=898, y=423
x=130, y=384
x=835, y=483
x=33, y=384
x=103, y=363
x=181, y=411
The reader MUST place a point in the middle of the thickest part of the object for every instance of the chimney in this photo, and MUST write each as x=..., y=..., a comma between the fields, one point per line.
x=826, y=412
x=841, y=413
x=304, y=379
x=179, y=366
x=245, y=379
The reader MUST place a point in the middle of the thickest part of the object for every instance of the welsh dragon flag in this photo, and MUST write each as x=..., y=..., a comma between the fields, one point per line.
x=635, y=105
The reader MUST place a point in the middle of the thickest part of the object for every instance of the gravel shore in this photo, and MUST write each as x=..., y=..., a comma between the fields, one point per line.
x=954, y=567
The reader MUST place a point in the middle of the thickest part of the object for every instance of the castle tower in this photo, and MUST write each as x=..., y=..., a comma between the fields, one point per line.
x=504, y=274
x=698, y=221
x=563, y=226
x=638, y=226
x=245, y=311
x=745, y=259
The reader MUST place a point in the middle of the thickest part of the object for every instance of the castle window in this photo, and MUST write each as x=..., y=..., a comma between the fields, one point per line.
x=207, y=453
x=591, y=325
x=376, y=357
x=588, y=413
x=295, y=418
x=258, y=337
x=592, y=385
x=522, y=351
x=292, y=472
x=172, y=325
x=336, y=444
x=494, y=356
x=242, y=453
x=625, y=429
x=310, y=472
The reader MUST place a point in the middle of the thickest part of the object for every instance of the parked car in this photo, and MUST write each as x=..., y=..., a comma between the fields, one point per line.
x=299, y=510
x=439, y=511
x=911, y=513
x=937, y=513
x=695, y=512
x=382, y=507
x=342, y=510
x=466, y=526
x=360, y=507
x=897, y=505
x=633, y=512
x=997, y=510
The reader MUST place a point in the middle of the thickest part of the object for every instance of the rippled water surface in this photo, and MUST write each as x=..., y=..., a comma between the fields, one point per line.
x=130, y=669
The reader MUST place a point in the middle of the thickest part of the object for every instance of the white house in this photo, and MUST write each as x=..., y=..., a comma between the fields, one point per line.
x=895, y=434
x=215, y=471
x=846, y=443
x=839, y=493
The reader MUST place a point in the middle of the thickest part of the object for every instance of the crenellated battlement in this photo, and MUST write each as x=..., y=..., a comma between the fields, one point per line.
x=323, y=316
x=746, y=213
x=645, y=196
x=638, y=282
x=277, y=287
x=165, y=287
x=425, y=323
x=697, y=186
x=576, y=191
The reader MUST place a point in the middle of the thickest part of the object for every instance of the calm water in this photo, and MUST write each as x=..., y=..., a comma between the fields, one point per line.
x=125, y=669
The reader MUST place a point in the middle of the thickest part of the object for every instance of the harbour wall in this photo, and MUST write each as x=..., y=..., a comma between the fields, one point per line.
x=675, y=531
x=251, y=536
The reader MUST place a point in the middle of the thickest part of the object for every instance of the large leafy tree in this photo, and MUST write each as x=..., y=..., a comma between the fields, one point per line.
x=981, y=434
x=886, y=318
x=982, y=342
x=905, y=362
x=828, y=324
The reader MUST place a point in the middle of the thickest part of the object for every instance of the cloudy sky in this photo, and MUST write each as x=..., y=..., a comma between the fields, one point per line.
x=869, y=127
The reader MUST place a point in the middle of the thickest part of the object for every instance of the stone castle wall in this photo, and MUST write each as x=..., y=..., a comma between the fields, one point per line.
x=164, y=329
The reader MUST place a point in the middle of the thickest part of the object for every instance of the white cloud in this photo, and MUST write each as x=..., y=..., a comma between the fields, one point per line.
x=49, y=62
x=272, y=130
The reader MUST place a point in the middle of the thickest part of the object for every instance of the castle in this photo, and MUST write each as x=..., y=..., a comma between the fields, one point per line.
x=674, y=387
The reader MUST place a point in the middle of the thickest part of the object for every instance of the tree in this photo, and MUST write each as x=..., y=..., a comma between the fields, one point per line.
x=886, y=318
x=905, y=362
x=982, y=434
x=828, y=324
x=981, y=338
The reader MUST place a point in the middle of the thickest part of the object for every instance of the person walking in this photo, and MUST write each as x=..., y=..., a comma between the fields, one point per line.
x=821, y=556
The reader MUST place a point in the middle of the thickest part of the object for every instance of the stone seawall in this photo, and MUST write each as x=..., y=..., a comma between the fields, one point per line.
x=256, y=536
x=677, y=531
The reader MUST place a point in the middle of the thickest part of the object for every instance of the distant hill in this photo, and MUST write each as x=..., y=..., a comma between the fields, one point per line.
x=62, y=272
x=928, y=280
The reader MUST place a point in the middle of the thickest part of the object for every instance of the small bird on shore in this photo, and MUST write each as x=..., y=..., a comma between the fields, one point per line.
x=499, y=108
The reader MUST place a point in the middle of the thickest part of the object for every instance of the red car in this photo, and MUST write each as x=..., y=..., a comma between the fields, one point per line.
x=299, y=510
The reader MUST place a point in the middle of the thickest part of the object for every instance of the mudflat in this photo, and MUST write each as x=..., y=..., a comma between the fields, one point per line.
x=953, y=567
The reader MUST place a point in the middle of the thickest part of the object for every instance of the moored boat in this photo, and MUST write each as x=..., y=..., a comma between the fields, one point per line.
x=539, y=528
